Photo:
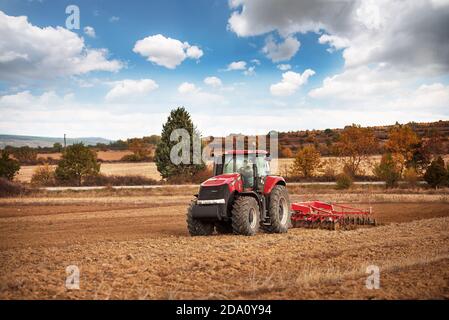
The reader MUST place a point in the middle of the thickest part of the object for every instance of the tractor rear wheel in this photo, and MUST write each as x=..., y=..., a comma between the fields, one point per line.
x=245, y=216
x=198, y=227
x=279, y=210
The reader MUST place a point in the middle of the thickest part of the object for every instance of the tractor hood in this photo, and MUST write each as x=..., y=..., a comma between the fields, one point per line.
x=221, y=180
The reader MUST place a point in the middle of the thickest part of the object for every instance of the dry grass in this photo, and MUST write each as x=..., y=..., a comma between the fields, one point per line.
x=129, y=250
x=111, y=155
x=146, y=169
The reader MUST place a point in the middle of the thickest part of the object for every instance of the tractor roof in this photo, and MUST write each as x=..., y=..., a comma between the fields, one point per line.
x=246, y=152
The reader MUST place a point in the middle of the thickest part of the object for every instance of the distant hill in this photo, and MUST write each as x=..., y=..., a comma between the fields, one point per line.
x=32, y=141
x=324, y=139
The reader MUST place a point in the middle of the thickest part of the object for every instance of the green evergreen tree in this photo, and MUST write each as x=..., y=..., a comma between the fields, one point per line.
x=436, y=174
x=8, y=167
x=179, y=118
x=77, y=162
x=388, y=170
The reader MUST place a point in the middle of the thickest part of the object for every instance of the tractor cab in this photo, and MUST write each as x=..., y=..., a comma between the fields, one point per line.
x=253, y=166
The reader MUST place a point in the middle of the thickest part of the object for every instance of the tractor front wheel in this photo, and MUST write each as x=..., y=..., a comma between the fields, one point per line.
x=279, y=210
x=245, y=216
x=198, y=227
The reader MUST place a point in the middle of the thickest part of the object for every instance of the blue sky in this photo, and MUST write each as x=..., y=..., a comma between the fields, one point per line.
x=237, y=66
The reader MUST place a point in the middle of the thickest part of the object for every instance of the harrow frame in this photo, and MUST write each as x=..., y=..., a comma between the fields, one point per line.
x=319, y=214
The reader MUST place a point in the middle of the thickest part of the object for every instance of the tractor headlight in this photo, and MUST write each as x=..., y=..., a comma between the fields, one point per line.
x=213, y=201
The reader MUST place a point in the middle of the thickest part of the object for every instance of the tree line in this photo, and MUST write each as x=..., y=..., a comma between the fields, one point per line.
x=406, y=157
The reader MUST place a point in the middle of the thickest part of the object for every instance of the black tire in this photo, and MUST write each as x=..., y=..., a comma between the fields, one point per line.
x=223, y=227
x=198, y=227
x=245, y=216
x=279, y=210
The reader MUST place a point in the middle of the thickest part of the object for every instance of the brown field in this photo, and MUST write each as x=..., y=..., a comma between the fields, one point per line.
x=134, y=245
x=110, y=155
x=146, y=169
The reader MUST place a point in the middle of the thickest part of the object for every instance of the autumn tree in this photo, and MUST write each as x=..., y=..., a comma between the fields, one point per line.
x=8, y=167
x=402, y=142
x=286, y=152
x=307, y=160
x=140, y=148
x=356, y=144
x=77, y=162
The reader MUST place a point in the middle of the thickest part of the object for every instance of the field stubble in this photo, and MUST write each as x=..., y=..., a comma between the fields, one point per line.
x=135, y=246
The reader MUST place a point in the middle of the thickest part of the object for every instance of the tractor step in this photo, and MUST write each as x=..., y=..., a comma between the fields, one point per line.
x=331, y=216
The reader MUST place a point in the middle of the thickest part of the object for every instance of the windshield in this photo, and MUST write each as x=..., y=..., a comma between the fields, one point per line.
x=244, y=164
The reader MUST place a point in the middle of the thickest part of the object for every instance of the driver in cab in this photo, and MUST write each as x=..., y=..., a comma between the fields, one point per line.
x=246, y=171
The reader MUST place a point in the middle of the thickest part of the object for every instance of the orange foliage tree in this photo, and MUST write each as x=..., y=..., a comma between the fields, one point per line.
x=402, y=143
x=356, y=144
x=307, y=161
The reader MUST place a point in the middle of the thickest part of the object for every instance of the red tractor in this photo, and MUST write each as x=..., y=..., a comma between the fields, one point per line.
x=241, y=197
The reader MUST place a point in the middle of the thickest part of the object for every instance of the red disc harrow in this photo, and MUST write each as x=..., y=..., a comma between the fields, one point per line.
x=319, y=214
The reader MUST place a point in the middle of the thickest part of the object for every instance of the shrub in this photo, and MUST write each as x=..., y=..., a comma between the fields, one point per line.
x=11, y=189
x=307, y=161
x=344, y=181
x=25, y=155
x=43, y=176
x=8, y=167
x=77, y=162
x=411, y=177
x=135, y=158
x=202, y=175
x=436, y=174
x=388, y=170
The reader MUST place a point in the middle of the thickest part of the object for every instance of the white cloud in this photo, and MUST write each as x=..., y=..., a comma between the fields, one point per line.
x=30, y=52
x=256, y=61
x=381, y=89
x=114, y=19
x=236, y=65
x=165, y=51
x=358, y=84
x=284, y=67
x=335, y=42
x=90, y=31
x=130, y=89
x=250, y=71
x=187, y=87
x=281, y=51
x=194, y=52
x=51, y=114
x=193, y=96
x=290, y=82
x=213, y=81
x=412, y=36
